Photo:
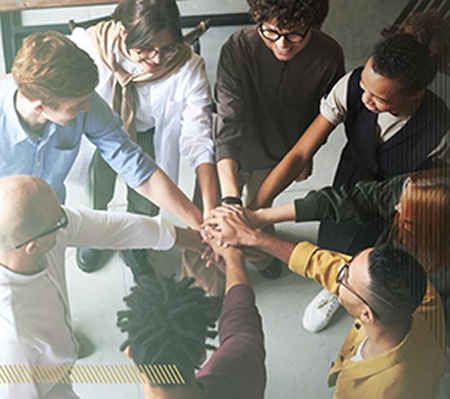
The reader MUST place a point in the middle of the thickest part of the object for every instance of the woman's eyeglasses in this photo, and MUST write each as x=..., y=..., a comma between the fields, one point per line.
x=166, y=53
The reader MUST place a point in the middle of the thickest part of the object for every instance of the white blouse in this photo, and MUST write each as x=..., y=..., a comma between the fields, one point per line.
x=178, y=107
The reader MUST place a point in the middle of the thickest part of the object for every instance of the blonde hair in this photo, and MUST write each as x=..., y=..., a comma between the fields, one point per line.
x=50, y=67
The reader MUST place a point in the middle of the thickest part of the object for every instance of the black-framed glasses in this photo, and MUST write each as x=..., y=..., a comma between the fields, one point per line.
x=62, y=224
x=292, y=37
x=341, y=279
x=166, y=53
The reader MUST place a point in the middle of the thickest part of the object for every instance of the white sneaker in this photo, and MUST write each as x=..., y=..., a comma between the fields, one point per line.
x=319, y=311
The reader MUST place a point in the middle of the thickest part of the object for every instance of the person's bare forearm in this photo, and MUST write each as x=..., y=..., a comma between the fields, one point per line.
x=206, y=177
x=293, y=163
x=159, y=189
x=271, y=245
x=236, y=271
x=278, y=214
x=227, y=170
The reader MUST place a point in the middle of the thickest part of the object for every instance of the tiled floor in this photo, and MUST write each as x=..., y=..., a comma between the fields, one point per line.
x=297, y=361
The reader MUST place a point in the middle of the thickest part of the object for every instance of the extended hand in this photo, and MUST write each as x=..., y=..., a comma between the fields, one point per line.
x=229, y=225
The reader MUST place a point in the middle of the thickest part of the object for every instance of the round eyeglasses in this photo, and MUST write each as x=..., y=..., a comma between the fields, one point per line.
x=166, y=53
x=272, y=35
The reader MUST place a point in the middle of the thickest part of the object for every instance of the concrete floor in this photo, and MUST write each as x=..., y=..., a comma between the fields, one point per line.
x=297, y=361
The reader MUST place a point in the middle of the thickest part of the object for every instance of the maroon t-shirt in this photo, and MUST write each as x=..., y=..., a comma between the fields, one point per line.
x=236, y=370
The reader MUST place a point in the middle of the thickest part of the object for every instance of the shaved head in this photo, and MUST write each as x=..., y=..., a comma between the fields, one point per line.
x=27, y=206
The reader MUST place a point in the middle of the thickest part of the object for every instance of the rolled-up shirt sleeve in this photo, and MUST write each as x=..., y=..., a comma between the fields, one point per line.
x=196, y=144
x=359, y=204
x=229, y=119
x=318, y=264
x=118, y=230
x=103, y=127
x=333, y=107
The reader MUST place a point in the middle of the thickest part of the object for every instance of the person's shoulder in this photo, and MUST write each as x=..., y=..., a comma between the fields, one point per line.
x=191, y=72
x=195, y=62
x=327, y=44
x=242, y=38
x=81, y=38
x=7, y=89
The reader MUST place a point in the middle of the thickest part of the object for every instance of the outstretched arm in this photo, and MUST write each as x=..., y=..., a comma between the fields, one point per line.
x=296, y=160
x=236, y=271
x=227, y=169
x=159, y=189
x=206, y=178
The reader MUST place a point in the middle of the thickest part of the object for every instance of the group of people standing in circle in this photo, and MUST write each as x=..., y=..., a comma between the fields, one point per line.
x=281, y=89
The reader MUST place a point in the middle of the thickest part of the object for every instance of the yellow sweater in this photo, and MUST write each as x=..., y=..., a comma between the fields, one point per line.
x=412, y=370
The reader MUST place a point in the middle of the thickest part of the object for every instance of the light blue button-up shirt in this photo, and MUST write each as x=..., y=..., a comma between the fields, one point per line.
x=52, y=155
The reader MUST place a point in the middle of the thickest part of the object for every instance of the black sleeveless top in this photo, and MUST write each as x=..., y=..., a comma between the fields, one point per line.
x=405, y=152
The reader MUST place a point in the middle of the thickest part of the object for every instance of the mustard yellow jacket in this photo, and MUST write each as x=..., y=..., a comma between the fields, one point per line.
x=412, y=370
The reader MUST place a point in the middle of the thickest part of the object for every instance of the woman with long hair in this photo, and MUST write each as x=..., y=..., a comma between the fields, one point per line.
x=160, y=89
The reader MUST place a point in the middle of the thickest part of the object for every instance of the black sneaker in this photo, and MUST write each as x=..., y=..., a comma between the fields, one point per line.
x=88, y=259
x=137, y=260
x=273, y=271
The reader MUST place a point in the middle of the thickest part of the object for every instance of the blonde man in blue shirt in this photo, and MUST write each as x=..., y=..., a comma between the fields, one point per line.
x=46, y=108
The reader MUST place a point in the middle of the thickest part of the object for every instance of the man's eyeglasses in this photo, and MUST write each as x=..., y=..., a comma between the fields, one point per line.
x=62, y=224
x=341, y=279
x=291, y=37
x=166, y=53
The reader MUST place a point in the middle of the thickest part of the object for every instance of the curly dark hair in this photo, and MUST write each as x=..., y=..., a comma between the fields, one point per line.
x=413, y=56
x=143, y=19
x=397, y=279
x=290, y=13
x=167, y=322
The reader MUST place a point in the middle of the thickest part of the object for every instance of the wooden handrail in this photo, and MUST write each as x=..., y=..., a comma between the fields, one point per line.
x=18, y=5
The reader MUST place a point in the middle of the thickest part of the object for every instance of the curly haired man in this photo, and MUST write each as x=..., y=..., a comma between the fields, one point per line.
x=270, y=80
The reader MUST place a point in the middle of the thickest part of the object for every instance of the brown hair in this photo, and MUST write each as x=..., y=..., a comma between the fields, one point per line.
x=143, y=19
x=423, y=228
x=433, y=31
x=49, y=67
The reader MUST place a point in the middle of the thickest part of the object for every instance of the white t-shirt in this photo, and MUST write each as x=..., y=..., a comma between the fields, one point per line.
x=35, y=320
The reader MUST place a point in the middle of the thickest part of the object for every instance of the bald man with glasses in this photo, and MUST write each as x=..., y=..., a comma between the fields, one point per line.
x=35, y=321
x=396, y=347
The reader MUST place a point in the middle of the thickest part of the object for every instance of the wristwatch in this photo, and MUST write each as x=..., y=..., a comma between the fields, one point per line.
x=231, y=200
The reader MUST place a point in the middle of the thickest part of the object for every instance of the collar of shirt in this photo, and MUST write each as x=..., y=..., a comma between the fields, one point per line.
x=16, y=130
x=418, y=336
x=10, y=276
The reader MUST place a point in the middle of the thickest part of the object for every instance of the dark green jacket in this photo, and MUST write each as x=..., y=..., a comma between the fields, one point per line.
x=358, y=204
